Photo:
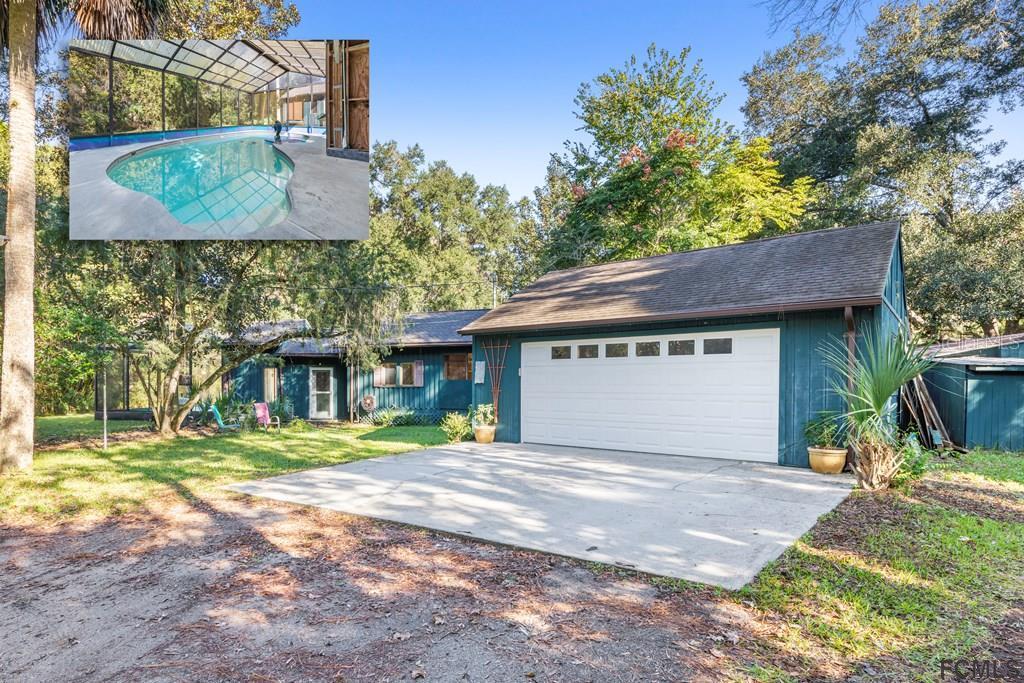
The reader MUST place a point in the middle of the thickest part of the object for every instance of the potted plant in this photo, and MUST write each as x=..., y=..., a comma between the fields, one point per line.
x=825, y=443
x=484, y=423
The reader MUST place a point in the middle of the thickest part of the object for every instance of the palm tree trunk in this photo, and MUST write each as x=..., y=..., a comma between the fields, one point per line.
x=17, y=389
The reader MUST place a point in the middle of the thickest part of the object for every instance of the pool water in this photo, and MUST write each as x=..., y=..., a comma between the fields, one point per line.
x=224, y=186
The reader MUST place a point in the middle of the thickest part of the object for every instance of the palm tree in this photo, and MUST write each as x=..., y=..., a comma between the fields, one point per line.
x=24, y=24
x=869, y=383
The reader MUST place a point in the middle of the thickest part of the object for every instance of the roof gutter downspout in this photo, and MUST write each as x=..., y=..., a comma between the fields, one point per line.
x=851, y=359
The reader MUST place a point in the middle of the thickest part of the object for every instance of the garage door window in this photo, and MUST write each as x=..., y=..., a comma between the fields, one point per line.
x=648, y=348
x=616, y=350
x=717, y=346
x=586, y=351
x=681, y=347
x=561, y=352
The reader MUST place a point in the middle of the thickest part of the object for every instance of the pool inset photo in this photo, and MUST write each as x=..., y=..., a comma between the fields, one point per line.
x=219, y=140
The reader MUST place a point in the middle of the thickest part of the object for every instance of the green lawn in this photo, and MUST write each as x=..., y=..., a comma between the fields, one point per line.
x=83, y=426
x=906, y=578
x=892, y=582
x=76, y=480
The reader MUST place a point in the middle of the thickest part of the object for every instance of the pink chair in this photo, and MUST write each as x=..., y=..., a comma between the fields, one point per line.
x=264, y=418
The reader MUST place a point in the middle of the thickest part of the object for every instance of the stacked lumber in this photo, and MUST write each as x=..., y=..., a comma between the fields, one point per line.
x=925, y=416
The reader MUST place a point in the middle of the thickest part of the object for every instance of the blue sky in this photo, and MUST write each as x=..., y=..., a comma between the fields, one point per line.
x=489, y=87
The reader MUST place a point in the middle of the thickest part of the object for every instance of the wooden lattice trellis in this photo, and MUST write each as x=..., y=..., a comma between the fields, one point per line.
x=495, y=350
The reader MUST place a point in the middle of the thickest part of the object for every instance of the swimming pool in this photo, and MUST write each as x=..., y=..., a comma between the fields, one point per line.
x=223, y=186
x=116, y=139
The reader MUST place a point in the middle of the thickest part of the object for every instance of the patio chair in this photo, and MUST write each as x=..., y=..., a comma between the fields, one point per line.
x=221, y=426
x=264, y=418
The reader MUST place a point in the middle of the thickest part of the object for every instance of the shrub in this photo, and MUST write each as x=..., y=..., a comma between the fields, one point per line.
x=299, y=425
x=282, y=409
x=456, y=427
x=915, y=461
x=484, y=415
x=824, y=431
x=393, y=417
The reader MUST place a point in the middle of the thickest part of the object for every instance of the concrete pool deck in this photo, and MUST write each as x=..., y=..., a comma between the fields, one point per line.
x=329, y=200
x=713, y=521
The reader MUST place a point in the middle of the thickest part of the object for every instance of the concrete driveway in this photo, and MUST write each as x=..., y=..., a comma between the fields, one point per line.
x=713, y=521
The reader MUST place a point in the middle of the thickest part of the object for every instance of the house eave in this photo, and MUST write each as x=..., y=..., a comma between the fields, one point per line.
x=682, y=315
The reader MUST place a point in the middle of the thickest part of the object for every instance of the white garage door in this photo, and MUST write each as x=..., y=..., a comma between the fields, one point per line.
x=712, y=395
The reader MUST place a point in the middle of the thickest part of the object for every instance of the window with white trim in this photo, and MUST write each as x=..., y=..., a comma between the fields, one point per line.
x=616, y=350
x=648, y=348
x=681, y=347
x=717, y=346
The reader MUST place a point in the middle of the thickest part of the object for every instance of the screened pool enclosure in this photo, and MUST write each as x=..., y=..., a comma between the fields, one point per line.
x=134, y=91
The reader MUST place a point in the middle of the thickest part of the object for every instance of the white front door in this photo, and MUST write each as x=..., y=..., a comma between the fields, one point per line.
x=321, y=393
x=708, y=394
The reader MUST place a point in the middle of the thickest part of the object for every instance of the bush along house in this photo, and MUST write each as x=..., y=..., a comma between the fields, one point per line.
x=426, y=374
x=714, y=353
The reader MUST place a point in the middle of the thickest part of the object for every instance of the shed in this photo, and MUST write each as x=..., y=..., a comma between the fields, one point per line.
x=978, y=387
x=713, y=353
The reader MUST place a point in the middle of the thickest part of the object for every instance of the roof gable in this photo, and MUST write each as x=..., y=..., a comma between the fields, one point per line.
x=801, y=271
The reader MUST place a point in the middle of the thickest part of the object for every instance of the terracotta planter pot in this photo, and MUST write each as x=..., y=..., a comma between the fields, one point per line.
x=484, y=433
x=827, y=460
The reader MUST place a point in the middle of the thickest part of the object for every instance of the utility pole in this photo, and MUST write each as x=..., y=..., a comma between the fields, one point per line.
x=494, y=289
x=104, y=406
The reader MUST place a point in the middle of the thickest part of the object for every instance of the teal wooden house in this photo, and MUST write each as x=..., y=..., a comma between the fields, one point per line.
x=978, y=387
x=712, y=353
x=427, y=374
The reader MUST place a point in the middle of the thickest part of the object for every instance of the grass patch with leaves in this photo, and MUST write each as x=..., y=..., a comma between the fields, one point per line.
x=893, y=581
x=81, y=426
x=1001, y=466
x=88, y=480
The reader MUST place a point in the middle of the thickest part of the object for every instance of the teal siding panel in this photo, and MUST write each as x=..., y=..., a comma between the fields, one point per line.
x=247, y=380
x=806, y=386
x=295, y=386
x=437, y=395
x=947, y=387
x=995, y=410
x=1015, y=350
x=991, y=352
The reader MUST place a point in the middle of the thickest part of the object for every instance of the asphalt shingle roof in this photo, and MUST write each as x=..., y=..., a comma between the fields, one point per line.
x=963, y=346
x=803, y=271
x=439, y=328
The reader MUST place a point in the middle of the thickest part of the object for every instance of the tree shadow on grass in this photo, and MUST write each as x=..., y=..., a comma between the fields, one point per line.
x=418, y=435
x=72, y=480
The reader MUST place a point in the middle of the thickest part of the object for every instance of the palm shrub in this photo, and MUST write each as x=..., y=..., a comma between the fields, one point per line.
x=869, y=384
